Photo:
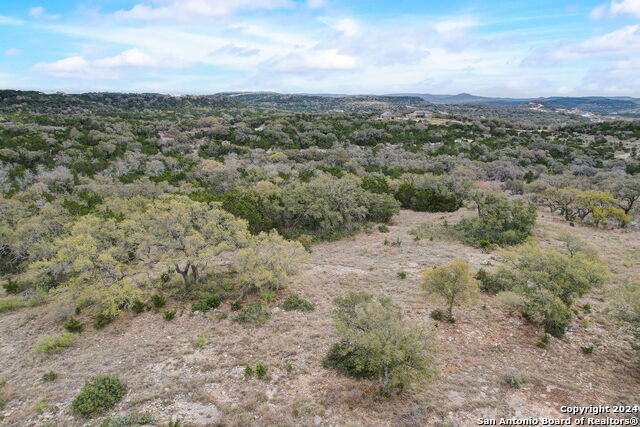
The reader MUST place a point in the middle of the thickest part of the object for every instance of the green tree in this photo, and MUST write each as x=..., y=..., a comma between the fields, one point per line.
x=188, y=235
x=268, y=262
x=453, y=282
x=376, y=343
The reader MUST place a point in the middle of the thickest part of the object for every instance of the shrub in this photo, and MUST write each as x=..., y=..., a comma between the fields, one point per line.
x=138, y=306
x=49, y=376
x=235, y=305
x=549, y=281
x=40, y=406
x=452, y=282
x=375, y=342
x=73, y=325
x=11, y=287
x=98, y=395
x=129, y=420
x=500, y=222
x=169, y=315
x=437, y=315
x=549, y=311
x=402, y=274
x=514, y=378
x=383, y=228
x=294, y=302
x=50, y=344
x=158, y=300
x=543, y=342
x=200, y=340
x=267, y=297
x=252, y=313
x=587, y=308
x=102, y=320
x=208, y=303
x=438, y=198
x=377, y=184
x=381, y=207
x=261, y=370
x=587, y=349
x=493, y=283
x=248, y=371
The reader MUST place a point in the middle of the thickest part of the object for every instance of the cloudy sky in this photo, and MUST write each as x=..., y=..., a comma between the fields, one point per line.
x=485, y=47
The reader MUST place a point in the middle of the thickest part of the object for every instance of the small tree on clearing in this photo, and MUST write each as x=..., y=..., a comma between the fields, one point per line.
x=376, y=343
x=452, y=282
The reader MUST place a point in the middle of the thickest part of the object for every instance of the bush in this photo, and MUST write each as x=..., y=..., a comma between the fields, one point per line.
x=248, y=372
x=50, y=344
x=138, y=306
x=210, y=302
x=11, y=287
x=437, y=315
x=375, y=342
x=499, y=222
x=49, y=376
x=548, y=311
x=253, y=313
x=514, y=378
x=438, y=198
x=261, y=370
x=129, y=420
x=98, y=395
x=381, y=207
x=549, y=281
x=587, y=349
x=543, y=342
x=402, y=274
x=200, y=340
x=235, y=305
x=169, y=315
x=73, y=325
x=102, y=320
x=158, y=300
x=383, y=228
x=294, y=302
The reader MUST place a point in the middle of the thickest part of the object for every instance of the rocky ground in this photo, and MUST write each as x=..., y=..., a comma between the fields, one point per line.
x=170, y=377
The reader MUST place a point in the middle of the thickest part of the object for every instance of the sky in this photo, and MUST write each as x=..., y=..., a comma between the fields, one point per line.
x=485, y=47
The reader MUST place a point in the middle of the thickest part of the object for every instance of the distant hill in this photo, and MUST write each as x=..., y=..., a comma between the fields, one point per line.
x=594, y=104
x=324, y=103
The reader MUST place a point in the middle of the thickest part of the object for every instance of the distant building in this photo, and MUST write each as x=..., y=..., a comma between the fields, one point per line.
x=419, y=115
x=387, y=115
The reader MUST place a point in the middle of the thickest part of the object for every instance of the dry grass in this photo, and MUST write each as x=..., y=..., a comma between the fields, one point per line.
x=168, y=376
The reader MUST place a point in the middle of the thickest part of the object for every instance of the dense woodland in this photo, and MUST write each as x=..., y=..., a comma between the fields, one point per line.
x=115, y=203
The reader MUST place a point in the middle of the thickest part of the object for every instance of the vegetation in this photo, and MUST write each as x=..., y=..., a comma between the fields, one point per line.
x=376, y=343
x=295, y=302
x=100, y=394
x=549, y=281
x=452, y=282
x=50, y=344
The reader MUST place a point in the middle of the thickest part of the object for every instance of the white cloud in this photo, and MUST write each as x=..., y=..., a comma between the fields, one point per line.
x=617, y=8
x=631, y=7
x=320, y=60
x=36, y=11
x=39, y=12
x=449, y=25
x=347, y=26
x=6, y=20
x=12, y=52
x=196, y=9
x=105, y=68
x=316, y=4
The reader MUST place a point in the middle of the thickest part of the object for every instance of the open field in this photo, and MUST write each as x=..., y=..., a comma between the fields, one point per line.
x=168, y=376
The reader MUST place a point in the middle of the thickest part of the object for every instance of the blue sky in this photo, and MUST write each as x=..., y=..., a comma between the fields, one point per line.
x=492, y=48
